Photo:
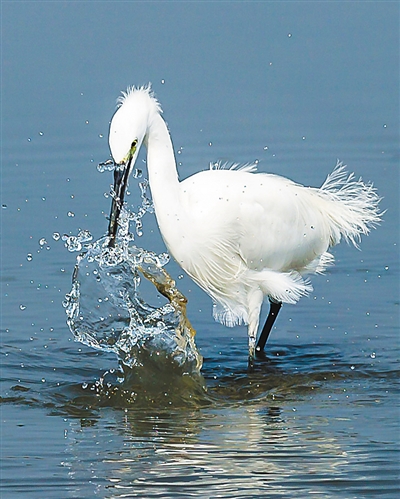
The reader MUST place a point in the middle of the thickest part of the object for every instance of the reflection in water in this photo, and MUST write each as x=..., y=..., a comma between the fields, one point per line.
x=292, y=427
x=258, y=449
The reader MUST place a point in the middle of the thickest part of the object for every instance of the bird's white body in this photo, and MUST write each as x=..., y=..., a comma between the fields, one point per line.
x=241, y=235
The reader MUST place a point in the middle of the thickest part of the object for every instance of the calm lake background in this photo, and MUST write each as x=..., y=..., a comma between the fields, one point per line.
x=293, y=85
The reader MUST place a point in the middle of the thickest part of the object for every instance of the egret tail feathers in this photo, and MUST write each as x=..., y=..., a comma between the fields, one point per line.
x=354, y=205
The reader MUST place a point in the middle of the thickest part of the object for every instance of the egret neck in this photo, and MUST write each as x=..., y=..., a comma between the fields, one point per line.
x=163, y=177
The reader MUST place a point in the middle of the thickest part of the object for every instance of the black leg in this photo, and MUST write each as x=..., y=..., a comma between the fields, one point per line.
x=273, y=313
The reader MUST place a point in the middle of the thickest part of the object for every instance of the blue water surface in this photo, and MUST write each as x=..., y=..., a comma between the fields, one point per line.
x=293, y=86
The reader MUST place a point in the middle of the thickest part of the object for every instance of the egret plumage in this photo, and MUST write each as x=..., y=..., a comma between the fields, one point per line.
x=241, y=236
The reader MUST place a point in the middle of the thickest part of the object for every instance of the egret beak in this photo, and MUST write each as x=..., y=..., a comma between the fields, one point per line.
x=121, y=177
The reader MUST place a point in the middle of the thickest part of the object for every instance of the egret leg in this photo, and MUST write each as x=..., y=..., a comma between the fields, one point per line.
x=252, y=335
x=252, y=346
x=255, y=299
x=273, y=313
x=252, y=350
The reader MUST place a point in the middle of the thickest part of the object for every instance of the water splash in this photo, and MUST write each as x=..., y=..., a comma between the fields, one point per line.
x=106, y=311
x=75, y=243
x=105, y=307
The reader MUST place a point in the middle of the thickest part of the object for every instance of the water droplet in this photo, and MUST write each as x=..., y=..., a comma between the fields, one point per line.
x=22, y=307
x=42, y=241
x=56, y=236
x=289, y=35
x=73, y=244
x=41, y=134
x=29, y=257
x=29, y=139
x=87, y=122
x=4, y=206
x=84, y=236
x=71, y=214
x=266, y=148
x=162, y=82
x=352, y=368
x=373, y=355
x=101, y=135
x=106, y=166
x=385, y=126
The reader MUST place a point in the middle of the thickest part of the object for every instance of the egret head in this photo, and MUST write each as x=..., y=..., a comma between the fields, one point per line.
x=130, y=123
x=128, y=130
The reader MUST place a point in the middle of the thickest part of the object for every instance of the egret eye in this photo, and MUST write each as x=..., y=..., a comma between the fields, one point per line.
x=134, y=144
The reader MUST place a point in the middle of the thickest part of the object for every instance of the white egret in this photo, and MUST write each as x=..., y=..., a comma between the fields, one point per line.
x=241, y=236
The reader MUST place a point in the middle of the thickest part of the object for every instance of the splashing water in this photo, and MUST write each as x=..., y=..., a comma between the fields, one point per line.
x=105, y=308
